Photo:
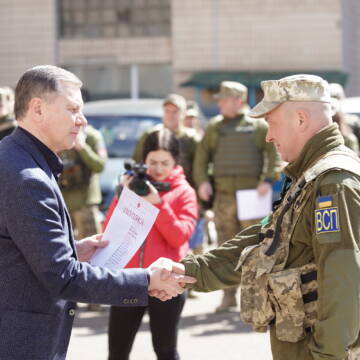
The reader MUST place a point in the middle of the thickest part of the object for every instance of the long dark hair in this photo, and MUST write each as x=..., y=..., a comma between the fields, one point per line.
x=163, y=139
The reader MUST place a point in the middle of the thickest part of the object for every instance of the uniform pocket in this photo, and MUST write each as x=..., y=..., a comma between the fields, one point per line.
x=27, y=335
x=286, y=295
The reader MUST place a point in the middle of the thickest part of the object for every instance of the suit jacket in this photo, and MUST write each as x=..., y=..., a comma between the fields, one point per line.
x=40, y=276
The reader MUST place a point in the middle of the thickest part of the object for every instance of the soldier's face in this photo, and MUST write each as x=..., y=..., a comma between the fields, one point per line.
x=172, y=117
x=62, y=118
x=283, y=133
x=230, y=106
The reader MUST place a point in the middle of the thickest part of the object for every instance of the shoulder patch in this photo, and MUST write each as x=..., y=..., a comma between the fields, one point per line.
x=327, y=220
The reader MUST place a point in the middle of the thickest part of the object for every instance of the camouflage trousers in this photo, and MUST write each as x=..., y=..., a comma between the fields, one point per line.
x=281, y=350
x=226, y=220
x=86, y=221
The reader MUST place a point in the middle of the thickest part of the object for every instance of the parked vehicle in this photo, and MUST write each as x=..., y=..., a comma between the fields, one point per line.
x=121, y=122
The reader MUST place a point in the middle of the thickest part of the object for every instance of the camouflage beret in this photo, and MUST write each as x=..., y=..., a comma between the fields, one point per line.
x=177, y=100
x=300, y=87
x=232, y=89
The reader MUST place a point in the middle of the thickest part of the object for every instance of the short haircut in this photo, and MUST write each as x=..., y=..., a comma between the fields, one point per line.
x=163, y=139
x=40, y=81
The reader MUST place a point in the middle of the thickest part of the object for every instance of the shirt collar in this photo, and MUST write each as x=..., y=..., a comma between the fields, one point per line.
x=326, y=139
x=54, y=162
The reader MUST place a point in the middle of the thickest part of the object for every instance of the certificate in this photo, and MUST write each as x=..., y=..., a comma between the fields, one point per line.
x=127, y=229
x=252, y=206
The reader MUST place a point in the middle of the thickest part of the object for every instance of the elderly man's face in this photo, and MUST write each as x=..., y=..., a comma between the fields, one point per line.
x=283, y=132
x=63, y=119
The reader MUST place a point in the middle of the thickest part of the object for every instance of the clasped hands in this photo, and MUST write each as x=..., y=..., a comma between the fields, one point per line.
x=167, y=279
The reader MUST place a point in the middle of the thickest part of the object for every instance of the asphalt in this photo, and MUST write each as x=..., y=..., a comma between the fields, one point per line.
x=203, y=335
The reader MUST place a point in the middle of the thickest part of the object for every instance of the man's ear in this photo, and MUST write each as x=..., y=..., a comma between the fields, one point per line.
x=303, y=119
x=36, y=108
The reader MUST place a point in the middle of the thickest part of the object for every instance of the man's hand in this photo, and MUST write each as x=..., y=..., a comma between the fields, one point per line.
x=205, y=191
x=167, y=279
x=263, y=188
x=87, y=247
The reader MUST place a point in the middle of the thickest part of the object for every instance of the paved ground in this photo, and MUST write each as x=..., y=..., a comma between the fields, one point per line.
x=203, y=335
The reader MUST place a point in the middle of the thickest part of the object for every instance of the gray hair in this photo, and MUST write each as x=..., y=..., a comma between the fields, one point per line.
x=40, y=81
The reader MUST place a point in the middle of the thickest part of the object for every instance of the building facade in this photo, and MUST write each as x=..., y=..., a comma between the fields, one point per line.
x=147, y=48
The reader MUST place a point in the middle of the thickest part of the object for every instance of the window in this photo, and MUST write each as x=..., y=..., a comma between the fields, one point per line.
x=113, y=18
x=114, y=81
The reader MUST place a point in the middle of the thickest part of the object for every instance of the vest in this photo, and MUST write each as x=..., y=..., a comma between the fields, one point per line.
x=286, y=298
x=76, y=174
x=236, y=152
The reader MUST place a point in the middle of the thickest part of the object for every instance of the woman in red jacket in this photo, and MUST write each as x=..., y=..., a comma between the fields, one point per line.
x=168, y=238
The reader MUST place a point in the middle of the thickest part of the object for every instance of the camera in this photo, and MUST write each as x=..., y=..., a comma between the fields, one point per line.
x=140, y=178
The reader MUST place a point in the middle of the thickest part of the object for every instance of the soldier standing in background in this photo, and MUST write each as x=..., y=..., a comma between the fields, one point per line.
x=343, y=120
x=235, y=146
x=79, y=181
x=7, y=120
x=174, y=107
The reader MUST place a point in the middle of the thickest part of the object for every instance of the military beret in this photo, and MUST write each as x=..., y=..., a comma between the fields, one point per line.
x=299, y=87
x=231, y=89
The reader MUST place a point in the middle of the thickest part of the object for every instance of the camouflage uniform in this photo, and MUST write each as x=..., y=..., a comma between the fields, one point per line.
x=241, y=159
x=300, y=268
x=80, y=184
x=346, y=122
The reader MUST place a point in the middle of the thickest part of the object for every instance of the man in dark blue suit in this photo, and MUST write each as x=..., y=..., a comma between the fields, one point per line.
x=43, y=272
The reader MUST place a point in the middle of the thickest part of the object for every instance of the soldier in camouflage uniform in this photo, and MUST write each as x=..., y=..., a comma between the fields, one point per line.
x=80, y=184
x=345, y=121
x=299, y=269
x=7, y=120
x=235, y=146
x=174, y=112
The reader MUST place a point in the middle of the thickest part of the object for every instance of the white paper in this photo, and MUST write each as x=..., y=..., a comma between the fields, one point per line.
x=251, y=206
x=127, y=229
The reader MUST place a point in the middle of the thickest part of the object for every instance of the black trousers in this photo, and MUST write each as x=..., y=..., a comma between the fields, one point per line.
x=124, y=323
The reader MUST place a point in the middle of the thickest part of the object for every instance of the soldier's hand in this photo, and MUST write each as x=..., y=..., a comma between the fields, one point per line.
x=205, y=191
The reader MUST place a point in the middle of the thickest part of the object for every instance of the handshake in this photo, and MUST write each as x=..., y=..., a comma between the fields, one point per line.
x=167, y=279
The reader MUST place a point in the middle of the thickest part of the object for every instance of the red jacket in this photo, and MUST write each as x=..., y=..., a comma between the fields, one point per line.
x=174, y=225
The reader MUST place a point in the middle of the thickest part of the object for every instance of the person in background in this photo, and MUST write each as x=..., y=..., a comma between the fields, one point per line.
x=7, y=119
x=168, y=238
x=174, y=106
x=192, y=118
x=80, y=184
x=234, y=146
x=343, y=120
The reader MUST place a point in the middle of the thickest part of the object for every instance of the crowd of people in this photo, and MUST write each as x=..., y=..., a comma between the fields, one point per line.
x=291, y=266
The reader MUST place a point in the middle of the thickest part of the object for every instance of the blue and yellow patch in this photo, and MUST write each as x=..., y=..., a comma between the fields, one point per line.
x=325, y=201
x=327, y=220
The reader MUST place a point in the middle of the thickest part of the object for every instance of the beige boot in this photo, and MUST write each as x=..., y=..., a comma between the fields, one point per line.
x=228, y=302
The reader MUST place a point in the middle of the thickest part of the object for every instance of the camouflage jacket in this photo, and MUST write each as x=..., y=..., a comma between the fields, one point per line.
x=92, y=156
x=314, y=240
x=206, y=150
